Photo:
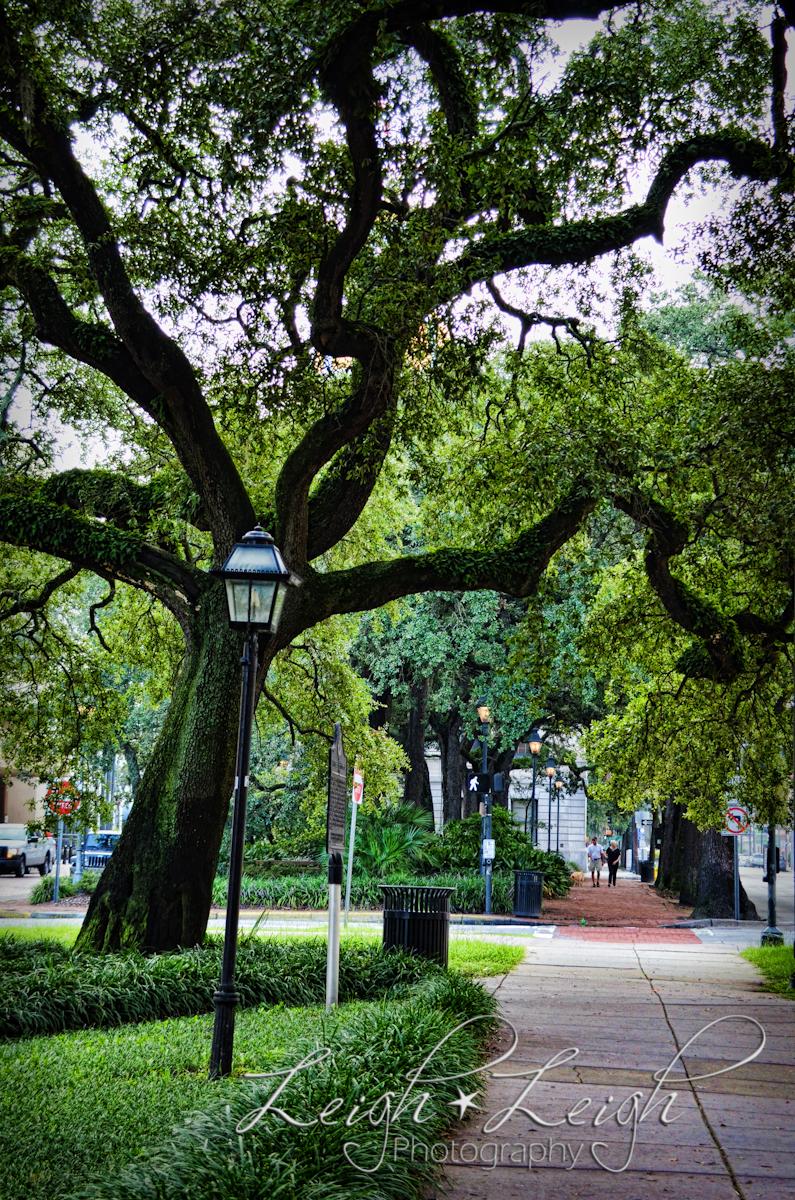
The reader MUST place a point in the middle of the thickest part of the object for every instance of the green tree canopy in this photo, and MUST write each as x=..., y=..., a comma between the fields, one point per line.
x=259, y=244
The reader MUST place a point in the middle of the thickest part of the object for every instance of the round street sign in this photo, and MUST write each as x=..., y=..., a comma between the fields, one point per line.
x=736, y=819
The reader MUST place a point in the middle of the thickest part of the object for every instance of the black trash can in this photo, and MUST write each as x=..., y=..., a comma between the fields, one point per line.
x=646, y=872
x=418, y=919
x=528, y=892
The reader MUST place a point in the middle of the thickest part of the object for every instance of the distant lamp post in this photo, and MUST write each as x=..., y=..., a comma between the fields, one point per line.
x=256, y=581
x=535, y=750
x=772, y=936
x=550, y=770
x=484, y=716
x=558, y=786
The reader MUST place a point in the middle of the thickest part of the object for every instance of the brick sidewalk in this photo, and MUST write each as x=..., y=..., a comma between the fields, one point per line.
x=631, y=903
x=641, y=937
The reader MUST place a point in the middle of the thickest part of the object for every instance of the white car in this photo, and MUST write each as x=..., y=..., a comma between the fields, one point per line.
x=19, y=852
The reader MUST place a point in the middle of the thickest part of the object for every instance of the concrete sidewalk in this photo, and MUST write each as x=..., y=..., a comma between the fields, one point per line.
x=629, y=1008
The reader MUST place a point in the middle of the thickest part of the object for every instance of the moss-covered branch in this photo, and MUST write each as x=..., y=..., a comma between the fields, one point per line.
x=576, y=242
x=515, y=567
x=718, y=653
x=39, y=524
x=30, y=123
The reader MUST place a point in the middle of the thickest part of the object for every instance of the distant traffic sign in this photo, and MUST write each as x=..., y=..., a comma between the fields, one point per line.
x=736, y=819
x=489, y=850
x=479, y=783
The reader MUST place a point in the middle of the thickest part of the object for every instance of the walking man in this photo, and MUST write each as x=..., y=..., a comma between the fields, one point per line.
x=613, y=856
x=595, y=860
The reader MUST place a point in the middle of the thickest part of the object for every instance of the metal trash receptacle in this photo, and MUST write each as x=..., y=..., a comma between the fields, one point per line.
x=646, y=871
x=528, y=893
x=418, y=918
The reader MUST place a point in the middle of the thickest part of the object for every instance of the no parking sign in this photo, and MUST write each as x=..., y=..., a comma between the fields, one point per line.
x=736, y=819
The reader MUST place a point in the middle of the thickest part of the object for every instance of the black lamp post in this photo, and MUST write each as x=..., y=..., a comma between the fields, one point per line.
x=772, y=936
x=558, y=786
x=535, y=749
x=550, y=770
x=484, y=717
x=256, y=582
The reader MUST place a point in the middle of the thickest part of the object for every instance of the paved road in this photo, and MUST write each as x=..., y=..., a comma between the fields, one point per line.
x=629, y=1009
x=757, y=891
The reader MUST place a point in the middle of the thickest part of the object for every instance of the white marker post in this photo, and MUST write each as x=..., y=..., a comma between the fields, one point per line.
x=356, y=799
x=335, y=844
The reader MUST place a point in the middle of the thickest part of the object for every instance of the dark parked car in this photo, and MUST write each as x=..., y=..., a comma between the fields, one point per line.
x=19, y=852
x=98, y=849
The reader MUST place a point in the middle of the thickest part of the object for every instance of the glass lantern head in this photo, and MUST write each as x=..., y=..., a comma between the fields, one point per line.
x=256, y=582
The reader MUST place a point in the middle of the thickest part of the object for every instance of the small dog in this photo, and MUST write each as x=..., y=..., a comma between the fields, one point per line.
x=577, y=878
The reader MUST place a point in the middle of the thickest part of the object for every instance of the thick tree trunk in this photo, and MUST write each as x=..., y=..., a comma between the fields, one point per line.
x=417, y=789
x=448, y=733
x=156, y=891
x=699, y=865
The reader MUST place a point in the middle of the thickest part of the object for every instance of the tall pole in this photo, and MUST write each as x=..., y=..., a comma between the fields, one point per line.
x=487, y=830
x=736, y=841
x=549, y=819
x=772, y=936
x=557, y=822
x=226, y=998
x=58, y=853
x=534, y=816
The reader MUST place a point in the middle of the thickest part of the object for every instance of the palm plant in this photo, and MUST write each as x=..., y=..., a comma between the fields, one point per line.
x=394, y=838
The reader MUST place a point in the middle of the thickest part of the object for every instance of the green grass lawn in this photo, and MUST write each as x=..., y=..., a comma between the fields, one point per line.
x=777, y=964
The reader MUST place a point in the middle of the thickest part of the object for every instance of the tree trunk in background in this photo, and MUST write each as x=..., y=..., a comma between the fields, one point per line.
x=699, y=865
x=156, y=891
x=672, y=815
x=448, y=734
x=501, y=764
x=716, y=880
x=417, y=788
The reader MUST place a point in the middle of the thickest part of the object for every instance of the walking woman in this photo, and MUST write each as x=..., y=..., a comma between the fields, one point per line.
x=613, y=857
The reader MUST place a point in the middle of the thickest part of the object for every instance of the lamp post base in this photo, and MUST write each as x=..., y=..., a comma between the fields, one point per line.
x=226, y=1000
x=772, y=936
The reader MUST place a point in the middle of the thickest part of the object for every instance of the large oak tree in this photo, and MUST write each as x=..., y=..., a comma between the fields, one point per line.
x=245, y=235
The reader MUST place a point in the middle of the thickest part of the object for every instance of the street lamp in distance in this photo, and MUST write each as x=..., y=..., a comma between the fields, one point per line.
x=256, y=581
x=535, y=750
x=558, y=786
x=550, y=770
x=484, y=716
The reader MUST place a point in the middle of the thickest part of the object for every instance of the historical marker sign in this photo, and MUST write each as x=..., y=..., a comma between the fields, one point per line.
x=337, y=794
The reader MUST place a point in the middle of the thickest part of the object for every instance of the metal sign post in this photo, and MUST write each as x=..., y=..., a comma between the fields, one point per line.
x=335, y=844
x=356, y=799
x=736, y=821
x=58, y=852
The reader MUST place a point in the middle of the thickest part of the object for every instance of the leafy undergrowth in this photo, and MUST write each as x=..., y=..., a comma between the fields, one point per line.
x=47, y=988
x=81, y=1111
x=777, y=964
x=469, y=888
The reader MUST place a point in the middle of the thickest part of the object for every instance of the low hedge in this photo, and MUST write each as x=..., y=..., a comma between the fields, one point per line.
x=45, y=988
x=311, y=891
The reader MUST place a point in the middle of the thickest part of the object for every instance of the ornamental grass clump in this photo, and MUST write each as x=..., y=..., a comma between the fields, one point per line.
x=50, y=992
x=372, y=1050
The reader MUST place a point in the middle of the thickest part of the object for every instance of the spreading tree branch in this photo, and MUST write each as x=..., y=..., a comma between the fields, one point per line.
x=515, y=568
x=36, y=603
x=27, y=125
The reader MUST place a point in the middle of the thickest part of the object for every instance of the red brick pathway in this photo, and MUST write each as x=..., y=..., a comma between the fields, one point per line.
x=643, y=937
x=631, y=903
